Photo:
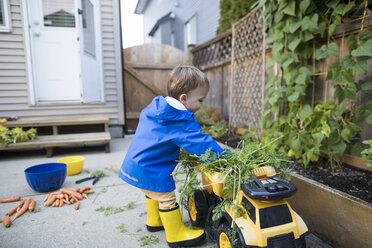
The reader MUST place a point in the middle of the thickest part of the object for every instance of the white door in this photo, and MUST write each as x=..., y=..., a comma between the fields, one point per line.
x=90, y=50
x=55, y=50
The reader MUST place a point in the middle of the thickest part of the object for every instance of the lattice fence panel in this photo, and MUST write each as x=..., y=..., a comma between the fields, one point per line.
x=248, y=70
x=214, y=51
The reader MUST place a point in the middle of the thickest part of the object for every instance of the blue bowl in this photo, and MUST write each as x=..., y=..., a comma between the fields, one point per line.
x=46, y=177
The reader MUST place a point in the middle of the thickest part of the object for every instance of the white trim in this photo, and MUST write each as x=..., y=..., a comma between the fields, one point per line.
x=118, y=56
x=99, y=46
x=30, y=80
x=7, y=27
x=186, y=36
x=175, y=103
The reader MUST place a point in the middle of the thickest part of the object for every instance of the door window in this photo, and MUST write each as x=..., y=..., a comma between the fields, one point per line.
x=4, y=16
x=59, y=13
x=88, y=27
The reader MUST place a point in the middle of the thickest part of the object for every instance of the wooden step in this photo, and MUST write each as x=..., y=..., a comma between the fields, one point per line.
x=51, y=141
x=57, y=121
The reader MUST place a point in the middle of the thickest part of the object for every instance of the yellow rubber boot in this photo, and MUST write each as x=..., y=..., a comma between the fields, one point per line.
x=153, y=222
x=176, y=232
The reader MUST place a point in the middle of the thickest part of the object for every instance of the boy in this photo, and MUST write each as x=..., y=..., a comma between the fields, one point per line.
x=166, y=125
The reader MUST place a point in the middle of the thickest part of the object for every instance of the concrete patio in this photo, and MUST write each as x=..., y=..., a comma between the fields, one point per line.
x=61, y=227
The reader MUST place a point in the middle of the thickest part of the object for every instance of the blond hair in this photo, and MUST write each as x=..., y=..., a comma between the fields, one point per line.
x=185, y=78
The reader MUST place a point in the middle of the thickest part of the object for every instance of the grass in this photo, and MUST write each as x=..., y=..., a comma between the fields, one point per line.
x=145, y=240
x=113, y=169
x=148, y=240
x=110, y=210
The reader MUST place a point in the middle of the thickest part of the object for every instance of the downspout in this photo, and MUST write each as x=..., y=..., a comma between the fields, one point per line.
x=125, y=127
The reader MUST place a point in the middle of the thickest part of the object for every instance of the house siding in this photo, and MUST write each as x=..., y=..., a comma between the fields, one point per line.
x=207, y=12
x=15, y=98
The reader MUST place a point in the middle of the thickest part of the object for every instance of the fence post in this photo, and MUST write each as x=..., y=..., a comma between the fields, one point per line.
x=189, y=53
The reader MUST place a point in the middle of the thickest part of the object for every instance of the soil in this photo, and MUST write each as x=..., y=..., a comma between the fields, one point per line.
x=230, y=139
x=345, y=178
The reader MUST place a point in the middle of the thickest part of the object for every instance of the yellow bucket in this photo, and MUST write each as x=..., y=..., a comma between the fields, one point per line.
x=74, y=164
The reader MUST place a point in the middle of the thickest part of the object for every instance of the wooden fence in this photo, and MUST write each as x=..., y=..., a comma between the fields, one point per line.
x=146, y=72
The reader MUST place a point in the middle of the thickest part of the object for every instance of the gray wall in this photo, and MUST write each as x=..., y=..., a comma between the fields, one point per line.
x=207, y=12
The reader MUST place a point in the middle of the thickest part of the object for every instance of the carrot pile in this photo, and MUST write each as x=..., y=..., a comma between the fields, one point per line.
x=19, y=209
x=67, y=196
x=55, y=199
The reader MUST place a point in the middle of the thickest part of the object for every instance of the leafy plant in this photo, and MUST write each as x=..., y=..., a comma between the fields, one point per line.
x=231, y=11
x=216, y=131
x=367, y=153
x=208, y=114
x=16, y=134
x=312, y=128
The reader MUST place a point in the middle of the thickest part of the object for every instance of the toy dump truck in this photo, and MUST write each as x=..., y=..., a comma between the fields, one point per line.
x=265, y=218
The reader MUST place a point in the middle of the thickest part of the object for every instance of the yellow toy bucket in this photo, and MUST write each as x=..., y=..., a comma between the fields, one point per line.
x=74, y=164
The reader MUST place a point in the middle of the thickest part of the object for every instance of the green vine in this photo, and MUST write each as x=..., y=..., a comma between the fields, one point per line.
x=311, y=128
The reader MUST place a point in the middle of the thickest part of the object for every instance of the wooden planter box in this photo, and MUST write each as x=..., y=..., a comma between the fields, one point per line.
x=344, y=220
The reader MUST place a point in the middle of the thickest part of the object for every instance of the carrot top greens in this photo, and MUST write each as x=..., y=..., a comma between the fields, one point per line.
x=234, y=167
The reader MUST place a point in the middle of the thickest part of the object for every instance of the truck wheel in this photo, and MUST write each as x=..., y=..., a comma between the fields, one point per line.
x=198, y=208
x=226, y=239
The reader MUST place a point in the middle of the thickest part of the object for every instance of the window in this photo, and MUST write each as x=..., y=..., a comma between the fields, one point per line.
x=190, y=31
x=59, y=13
x=275, y=216
x=251, y=210
x=88, y=28
x=5, y=25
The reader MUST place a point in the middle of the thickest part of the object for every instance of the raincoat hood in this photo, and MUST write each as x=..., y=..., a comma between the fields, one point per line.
x=159, y=110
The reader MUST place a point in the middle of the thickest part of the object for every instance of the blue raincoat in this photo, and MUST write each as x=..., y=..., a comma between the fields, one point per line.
x=161, y=132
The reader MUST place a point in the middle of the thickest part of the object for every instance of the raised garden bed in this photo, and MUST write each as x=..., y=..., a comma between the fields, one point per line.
x=337, y=205
x=348, y=179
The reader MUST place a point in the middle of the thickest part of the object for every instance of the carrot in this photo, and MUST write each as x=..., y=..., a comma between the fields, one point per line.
x=23, y=209
x=82, y=190
x=1, y=220
x=84, y=195
x=74, y=198
x=89, y=192
x=11, y=199
x=21, y=203
x=72, y=193
x=50, y=200
x=12, y=211
x=56, y=204
x=66, y=201
x=31, y=207
x=66, y=197
x=77, y=205
x=61, y=203
x=7, y=222
x=46, y=198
